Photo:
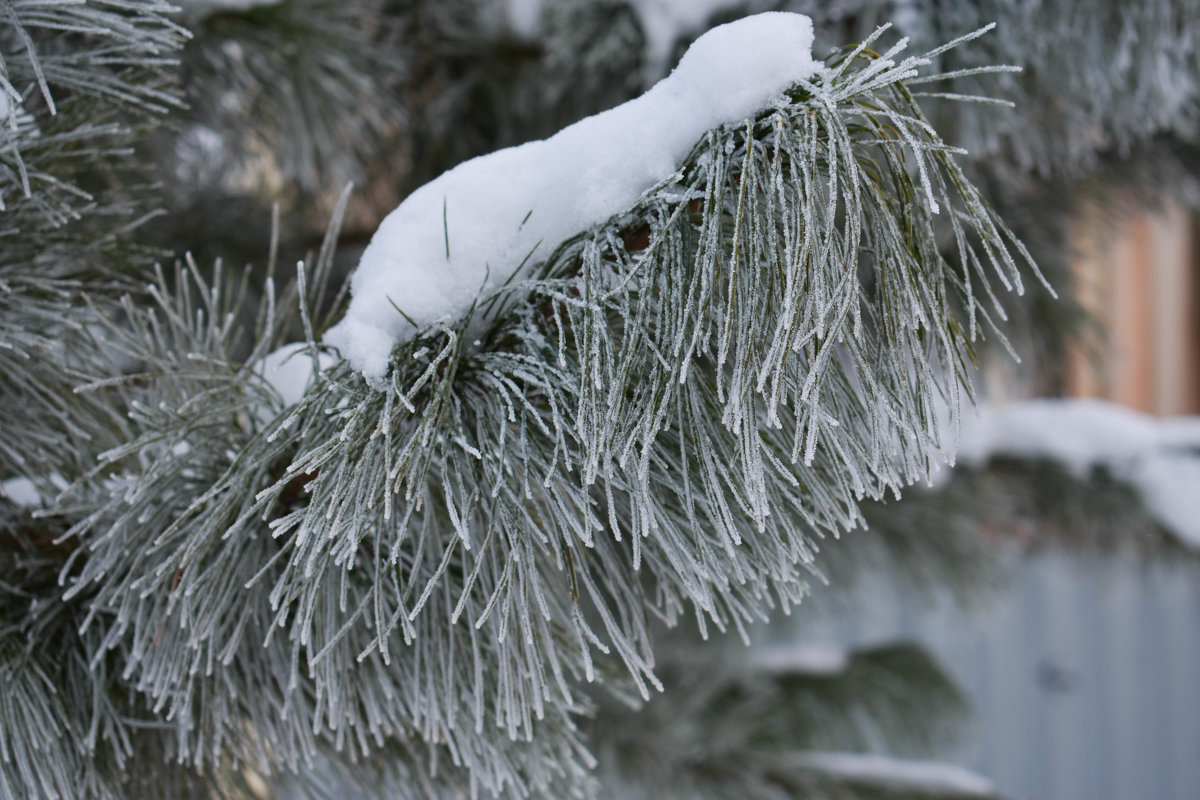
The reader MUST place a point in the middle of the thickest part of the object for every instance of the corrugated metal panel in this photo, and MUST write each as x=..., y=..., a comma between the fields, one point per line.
x=1085, y=678
x=1084, y=674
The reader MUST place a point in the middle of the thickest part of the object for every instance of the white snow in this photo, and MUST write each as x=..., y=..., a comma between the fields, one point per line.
x=1169, y=484
x=200, y=155
x=1080, y=434
x=24, y=492
x=289, y=371
x=1160, y=457
x=467, y=232
x=665, y=22
x=931, y=778
x=801, y=658
x=21, y=491
x=524, y=16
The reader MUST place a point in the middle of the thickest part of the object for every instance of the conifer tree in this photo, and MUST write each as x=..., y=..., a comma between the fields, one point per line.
x=275, y=530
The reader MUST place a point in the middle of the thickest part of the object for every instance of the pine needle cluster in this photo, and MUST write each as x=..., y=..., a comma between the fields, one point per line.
x=449, y=586
x=662, y=420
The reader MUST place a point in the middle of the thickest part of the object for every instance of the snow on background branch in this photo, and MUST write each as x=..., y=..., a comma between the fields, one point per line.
x=1159, y=457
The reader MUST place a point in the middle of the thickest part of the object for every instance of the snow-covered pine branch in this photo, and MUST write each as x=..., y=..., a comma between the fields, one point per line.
x=792, y=726
x=457, y=239
x=661, y=414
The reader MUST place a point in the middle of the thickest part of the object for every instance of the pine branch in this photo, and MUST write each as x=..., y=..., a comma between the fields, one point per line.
x=762, y=729
x=70, y=76
x=662, y=418
x=1071, y=108
x=319, y=79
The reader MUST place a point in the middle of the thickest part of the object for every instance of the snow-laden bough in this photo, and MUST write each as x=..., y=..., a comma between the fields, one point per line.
x=465, y=233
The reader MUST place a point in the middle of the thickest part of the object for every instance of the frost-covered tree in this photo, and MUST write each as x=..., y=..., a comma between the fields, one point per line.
x=419, y=519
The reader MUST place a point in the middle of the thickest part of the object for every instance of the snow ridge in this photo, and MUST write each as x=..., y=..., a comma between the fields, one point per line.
x=469, y=230
x=1158, y=457
x=930, y=778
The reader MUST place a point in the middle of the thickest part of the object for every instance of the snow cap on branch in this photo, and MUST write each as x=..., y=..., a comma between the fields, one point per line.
x=468, y=231
x=1160, y=458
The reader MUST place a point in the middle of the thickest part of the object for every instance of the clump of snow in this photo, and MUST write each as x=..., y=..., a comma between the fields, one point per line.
x=1169, y=484
x=1158, y=457
x=524, y=16
x=802, y=659
x=469, y=230
x=25, y=493
x=21, y=491
x=665, y=22
x=929, y=778
x=289, y=371
x=200, y=155
x=1080, y=434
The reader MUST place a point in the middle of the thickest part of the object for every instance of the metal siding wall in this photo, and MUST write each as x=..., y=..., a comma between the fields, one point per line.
x=1085, y=678
x=1084, y=673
